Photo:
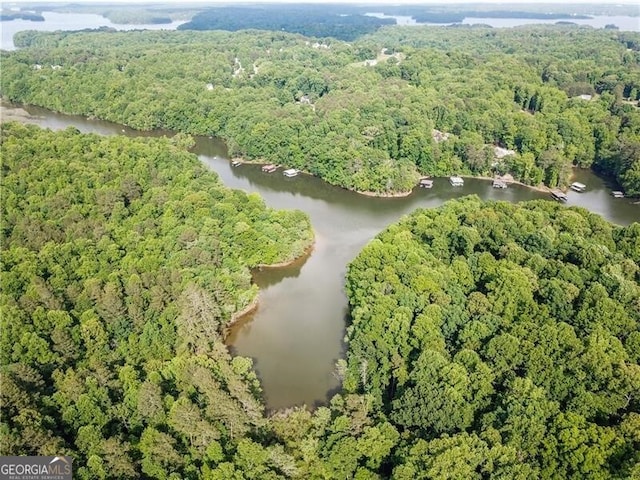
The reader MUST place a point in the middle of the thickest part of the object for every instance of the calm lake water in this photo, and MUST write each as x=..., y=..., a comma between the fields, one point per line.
x=78, y=21
x=627, y=24
x=624, y=23
x=296, y=334
x=69, y=21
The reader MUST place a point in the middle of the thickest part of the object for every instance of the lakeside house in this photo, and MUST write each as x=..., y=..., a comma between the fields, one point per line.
x=578, y=187
x=456, y=181
x=559, y=195
x=500, y=152
x=269, y=168
x=306, y=100
x=439, y=136
x=425, y=183
x=291, y=172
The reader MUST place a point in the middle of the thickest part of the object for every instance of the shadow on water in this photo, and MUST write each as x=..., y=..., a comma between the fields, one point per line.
x=209, y=147
x=337, y=388
x=267, y=276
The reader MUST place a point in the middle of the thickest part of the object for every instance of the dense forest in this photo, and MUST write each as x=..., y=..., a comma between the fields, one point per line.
x=122, y=263
x=310, y=20
x=372, y=115
x=501, y=341
x=343, y=22
x=488, y=340
x=320, y=20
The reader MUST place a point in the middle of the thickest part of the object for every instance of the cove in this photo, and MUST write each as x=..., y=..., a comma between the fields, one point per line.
x=295, y=335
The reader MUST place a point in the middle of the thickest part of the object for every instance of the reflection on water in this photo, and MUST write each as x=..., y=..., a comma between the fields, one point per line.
x=296, y=334
x=267, y=276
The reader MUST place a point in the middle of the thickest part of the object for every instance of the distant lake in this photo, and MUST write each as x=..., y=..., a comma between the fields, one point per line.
x=628, y=24
x=625, y=23
x=79, y=21
x=69, y=21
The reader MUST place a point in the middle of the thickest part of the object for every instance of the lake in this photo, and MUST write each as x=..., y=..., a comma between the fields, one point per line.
x=624, y=23
x=296, y=334
x=78, y=21
x=69, y=21
x=627, y=24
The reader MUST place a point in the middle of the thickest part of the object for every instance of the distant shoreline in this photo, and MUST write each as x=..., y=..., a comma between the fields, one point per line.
x=16, y=113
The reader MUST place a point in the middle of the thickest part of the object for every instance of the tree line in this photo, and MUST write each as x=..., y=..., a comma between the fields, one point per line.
x=340, y=22
x=488, y=340
x=122, y=263
x=501, y=341
x=361, y=115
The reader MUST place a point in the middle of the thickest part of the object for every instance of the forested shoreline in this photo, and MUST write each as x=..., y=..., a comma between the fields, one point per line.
x=372, y=115
x=123, y=261
x=499, y=336
x=488, y=340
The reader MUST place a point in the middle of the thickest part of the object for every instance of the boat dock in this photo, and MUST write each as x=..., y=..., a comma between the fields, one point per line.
x=499, y=183
x=456, y=181
x=270, y=168
x=617, y=194
x=578, y=187
x=559, y=195
x=425, y=183
x=291, y=172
